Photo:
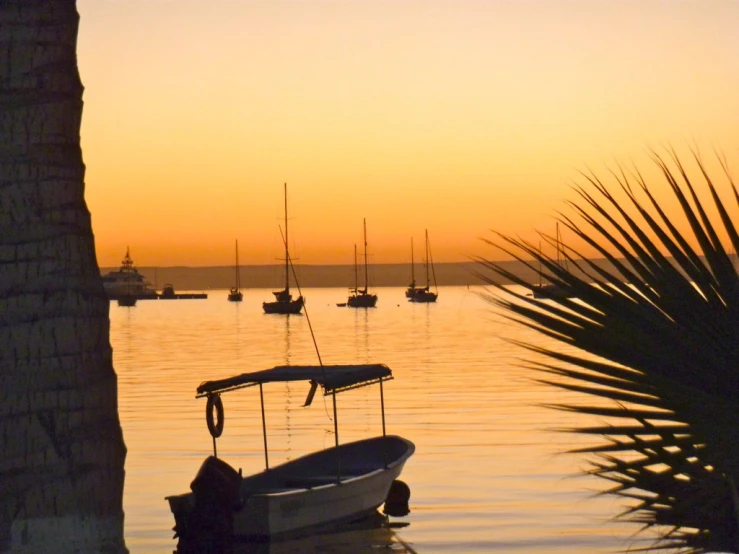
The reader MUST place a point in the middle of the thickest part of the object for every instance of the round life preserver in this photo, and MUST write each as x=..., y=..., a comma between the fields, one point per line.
x=215, y=427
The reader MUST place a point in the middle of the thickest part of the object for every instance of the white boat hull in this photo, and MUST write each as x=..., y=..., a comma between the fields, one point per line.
x=283, y=513
x=297, y=497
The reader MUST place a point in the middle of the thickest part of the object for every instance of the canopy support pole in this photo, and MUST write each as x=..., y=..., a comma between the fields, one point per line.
x=264, y=426
x=382, y=407
x=336, y=441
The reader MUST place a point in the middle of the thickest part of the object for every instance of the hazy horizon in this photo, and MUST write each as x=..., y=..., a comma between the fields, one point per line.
x=323, y=275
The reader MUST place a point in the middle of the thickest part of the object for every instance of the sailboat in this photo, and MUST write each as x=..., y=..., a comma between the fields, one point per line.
x=424, y=295
x=235, y=294
x=360, y=298
x=412, y=290
x=553, y=290
x=284, y=303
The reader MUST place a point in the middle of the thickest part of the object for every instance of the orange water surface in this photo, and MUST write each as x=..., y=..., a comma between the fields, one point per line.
x=487, y=475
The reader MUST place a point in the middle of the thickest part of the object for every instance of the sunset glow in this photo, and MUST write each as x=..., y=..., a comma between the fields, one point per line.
x=456, y=117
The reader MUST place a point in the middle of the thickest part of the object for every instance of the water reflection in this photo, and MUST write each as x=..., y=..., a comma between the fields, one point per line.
x=237, y=328
x=366, y=536
x=361, y=335
x=459, y=394
x=288, y=395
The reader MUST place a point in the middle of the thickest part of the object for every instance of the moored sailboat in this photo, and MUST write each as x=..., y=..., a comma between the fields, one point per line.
x=284, y=303
x=553, y=290
x=412, y=289
x=425, y=295
x=235, y=294
x=361, y=298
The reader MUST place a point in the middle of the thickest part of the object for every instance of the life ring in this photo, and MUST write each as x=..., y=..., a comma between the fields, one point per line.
x=215, y=427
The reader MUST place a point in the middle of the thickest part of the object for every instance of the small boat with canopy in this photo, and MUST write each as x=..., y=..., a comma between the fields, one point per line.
x=342, y=483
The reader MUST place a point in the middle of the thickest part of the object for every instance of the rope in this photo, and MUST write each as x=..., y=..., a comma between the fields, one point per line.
x=300, y=292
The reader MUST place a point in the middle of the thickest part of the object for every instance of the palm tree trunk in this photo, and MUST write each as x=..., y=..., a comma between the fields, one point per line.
x=61, y=445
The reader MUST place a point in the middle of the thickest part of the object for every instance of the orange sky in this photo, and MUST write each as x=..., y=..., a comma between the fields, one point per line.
x=457, y=116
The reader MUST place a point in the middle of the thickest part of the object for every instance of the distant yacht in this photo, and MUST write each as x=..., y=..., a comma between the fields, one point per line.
x=284, y=303
x=360, y=298
x=127, y=282
x=424, y=295
x=235, y=294
x=127, y=301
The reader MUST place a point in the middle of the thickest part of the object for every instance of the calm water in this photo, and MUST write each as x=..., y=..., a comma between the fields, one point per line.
x=487, y=475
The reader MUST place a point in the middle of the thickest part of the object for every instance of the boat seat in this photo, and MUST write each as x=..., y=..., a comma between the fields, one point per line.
x=357, y=471
x=269, y=490
x=310, y=481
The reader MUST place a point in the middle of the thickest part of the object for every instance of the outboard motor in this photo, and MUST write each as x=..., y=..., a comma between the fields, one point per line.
x=217, y=482
x=208, y=527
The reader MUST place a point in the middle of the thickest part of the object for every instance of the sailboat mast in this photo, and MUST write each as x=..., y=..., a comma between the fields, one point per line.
x=428, y=281
x=366, y=280
x=356, y=273
x=238, y=279
x=561, y=259
x=287, y=261
x=413, y=269
x=539, y=271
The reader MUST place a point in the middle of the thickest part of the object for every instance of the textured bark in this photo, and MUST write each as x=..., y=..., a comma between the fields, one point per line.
x=61, y=445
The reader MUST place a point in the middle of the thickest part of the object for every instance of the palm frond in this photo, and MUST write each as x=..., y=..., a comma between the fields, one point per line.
x=657, y=331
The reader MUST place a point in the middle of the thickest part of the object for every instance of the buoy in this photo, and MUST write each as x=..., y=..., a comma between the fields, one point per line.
x=214, y=426
x=396, y=503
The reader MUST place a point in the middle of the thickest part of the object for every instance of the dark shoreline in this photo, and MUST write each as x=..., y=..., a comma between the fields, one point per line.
x=271, y=276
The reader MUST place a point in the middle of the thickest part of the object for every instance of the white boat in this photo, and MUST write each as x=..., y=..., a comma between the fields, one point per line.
x=337, y=485
x=127, y=282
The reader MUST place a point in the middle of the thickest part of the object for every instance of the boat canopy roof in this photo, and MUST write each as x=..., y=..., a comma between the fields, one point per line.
x=333, y=378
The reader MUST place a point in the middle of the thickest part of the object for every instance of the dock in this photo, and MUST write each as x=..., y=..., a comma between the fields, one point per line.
x=168, y=293
x=182, y=296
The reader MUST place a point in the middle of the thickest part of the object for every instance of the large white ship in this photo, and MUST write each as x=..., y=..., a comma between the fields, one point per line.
x=127, y=281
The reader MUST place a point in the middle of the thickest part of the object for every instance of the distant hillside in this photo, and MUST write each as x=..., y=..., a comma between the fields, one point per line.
x=272, y=276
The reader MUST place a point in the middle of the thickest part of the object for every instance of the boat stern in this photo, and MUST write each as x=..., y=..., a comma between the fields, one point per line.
x=209, y=508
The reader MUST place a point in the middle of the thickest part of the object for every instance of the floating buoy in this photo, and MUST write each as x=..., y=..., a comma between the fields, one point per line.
x=215, y=426
x=396, y=503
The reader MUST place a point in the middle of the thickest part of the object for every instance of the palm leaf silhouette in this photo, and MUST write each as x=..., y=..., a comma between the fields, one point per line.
x=658, y=332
